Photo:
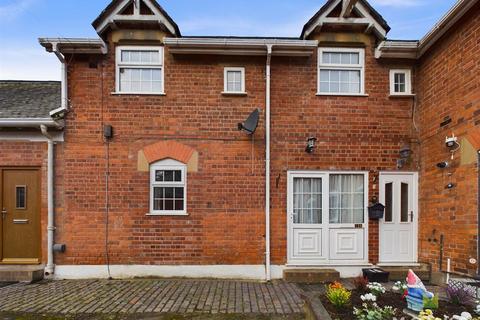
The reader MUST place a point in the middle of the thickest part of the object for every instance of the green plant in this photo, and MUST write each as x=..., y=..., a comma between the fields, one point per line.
x=338, y=295
x=430, y=303
x=374, y=312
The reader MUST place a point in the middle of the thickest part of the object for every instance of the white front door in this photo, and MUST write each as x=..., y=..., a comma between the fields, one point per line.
x=307, y=218
x=326, y=218
x=398, y=228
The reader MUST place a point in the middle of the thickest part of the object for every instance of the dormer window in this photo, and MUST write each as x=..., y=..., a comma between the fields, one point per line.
x=341, y=71
x=139, y=70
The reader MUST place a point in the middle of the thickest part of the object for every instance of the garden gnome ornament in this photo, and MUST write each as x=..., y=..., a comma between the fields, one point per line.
x=416, y=292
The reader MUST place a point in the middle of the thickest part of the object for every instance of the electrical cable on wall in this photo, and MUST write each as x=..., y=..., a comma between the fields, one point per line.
x=107, y=178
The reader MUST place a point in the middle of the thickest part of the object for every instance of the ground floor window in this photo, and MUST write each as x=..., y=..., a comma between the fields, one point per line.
x=168, y=188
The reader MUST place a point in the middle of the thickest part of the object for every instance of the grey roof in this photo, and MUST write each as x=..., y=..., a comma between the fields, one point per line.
x=28, y=99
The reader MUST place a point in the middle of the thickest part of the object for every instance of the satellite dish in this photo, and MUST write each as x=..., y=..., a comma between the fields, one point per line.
x=250, y=125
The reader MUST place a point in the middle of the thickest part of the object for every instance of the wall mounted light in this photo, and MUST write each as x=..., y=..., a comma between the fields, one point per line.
x=310, y=145
x=405, y=153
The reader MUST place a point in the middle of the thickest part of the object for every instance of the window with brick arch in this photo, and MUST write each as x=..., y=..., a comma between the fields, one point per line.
x=168, y=188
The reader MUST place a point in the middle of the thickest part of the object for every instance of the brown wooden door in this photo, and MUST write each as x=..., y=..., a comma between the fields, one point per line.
x=20, y=216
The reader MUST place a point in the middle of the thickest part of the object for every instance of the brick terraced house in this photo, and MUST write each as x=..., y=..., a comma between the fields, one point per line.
x=136, y=165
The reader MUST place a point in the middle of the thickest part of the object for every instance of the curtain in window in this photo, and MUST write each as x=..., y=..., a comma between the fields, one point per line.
x=307, y=200
x=347, y=198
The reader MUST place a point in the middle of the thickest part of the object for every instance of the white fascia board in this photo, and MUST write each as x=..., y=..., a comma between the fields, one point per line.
x=227, y=42
x=31, y=136
x=229, y=46
x=448, y=20
x=29, y=122
x=74, y=45
x=397, y=49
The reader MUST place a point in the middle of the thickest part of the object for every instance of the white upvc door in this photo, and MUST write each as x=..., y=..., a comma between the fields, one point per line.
x=398, y=229
x=308, y=219
x=327, y=218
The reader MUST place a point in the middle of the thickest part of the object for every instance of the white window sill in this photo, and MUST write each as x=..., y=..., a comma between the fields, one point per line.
x=138, y=94
x=342, y=94
x=234, y=93
x=402, y=95
x=173, y=214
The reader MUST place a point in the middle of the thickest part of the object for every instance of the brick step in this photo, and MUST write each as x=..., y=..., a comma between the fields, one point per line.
x=400, y=273
x=21, y=273
x=310, y=275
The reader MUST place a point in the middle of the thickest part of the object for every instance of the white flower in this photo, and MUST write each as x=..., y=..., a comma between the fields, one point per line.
x=466, y=315
x=368, y=297
x=463, y=316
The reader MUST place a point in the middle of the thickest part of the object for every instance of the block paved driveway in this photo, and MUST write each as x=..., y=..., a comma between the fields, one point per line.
x=147, y=296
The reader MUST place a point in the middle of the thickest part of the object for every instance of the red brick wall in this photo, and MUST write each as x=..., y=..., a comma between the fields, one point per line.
x=449, y=85
x=225, y=224
x=226, y=196
x=354, y=133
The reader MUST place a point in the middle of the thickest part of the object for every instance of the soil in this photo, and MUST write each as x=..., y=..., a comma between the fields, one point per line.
x=389, y=299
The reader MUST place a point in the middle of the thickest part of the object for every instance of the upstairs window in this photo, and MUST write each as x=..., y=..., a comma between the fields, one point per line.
x=341, y=71
x=168, y=188
x=234, y=81
x=139, y=70
x=400, y=82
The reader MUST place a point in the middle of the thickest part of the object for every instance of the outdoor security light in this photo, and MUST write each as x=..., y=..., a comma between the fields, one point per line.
x=310, y=145
x=405, y=152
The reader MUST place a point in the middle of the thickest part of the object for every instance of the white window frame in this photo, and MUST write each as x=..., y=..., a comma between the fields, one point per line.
x=139, y=65
x=408, y=82
x=168, y=164
x=353, y=67
x=225, y=82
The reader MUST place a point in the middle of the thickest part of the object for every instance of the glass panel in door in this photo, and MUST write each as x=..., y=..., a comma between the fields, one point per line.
x=404, y=195
x=307, y=201
x=347, y=196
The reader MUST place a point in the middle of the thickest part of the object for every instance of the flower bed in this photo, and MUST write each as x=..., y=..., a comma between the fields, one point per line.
x=371, y=301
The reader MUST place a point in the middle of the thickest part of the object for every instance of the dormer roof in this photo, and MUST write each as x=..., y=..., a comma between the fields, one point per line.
x=347, y=13
x=147, y=13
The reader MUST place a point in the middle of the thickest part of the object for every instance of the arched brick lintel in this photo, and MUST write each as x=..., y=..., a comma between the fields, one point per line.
x=168, y=150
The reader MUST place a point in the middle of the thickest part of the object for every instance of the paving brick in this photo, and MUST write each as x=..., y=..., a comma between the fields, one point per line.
x=139, y=296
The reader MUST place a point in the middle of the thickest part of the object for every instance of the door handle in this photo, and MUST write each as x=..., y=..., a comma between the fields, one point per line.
x=411, y=216
x=4, y=213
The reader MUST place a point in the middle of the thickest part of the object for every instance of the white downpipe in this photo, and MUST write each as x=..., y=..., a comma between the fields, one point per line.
x=64, y=85
x=267, y=165
x=50, y=221
x=448, y=270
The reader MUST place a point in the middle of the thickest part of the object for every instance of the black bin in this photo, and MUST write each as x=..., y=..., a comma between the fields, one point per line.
x=376, y=275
